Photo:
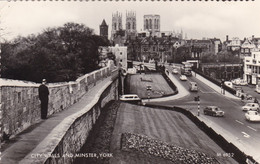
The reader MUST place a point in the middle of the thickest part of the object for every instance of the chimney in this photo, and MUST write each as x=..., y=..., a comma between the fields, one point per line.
x=226, y=37
x=163, y=34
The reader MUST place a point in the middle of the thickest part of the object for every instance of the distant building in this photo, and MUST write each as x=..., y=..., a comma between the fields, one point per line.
x=152, y=24
x=246, y=48
x=222, y=70
x=120, y=53
x=152, y=48
x=233, y=45
x=103, y=29
x=252, y=67
x=119, y=38
x=255, y=41
x=205, y=45
x=130, y=24
x=217, y=45
x=116, y=24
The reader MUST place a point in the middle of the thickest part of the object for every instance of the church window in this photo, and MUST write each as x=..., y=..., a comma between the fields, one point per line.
x=115, y=26
x=133, y=26
x=146, y=23
x=128, y=25
x=150, y=23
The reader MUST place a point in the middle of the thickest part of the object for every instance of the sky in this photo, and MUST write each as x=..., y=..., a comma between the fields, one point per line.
x=198, y=19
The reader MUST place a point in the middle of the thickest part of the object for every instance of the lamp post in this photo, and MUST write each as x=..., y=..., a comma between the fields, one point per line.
x=197, y=98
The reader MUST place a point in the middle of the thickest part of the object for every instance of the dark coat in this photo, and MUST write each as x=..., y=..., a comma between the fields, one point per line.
x=43, y=92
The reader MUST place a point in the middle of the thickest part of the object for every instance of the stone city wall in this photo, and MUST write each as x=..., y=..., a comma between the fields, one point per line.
x=63, y=143
x=20, y=105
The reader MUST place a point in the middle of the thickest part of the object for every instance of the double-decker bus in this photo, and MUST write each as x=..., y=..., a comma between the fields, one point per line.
x=186, y=68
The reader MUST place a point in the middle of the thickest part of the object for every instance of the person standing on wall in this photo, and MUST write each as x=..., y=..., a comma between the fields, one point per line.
x=44, y=98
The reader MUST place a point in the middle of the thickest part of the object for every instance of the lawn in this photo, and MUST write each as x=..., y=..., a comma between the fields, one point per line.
x=139, y=82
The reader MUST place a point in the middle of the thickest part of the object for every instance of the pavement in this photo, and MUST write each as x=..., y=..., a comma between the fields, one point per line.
x=20, y=146
x=214, y=86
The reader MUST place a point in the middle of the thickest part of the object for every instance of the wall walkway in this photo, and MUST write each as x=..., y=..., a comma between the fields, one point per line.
x=63, y=132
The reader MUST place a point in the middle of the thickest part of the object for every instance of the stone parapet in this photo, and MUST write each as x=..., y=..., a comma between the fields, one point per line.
x=20, y=104
x=66, y=139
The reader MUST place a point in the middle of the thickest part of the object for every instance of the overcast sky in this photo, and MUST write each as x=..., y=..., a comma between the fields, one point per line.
x=197, y=19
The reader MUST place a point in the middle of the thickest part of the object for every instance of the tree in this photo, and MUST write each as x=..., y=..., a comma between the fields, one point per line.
x=57, y=54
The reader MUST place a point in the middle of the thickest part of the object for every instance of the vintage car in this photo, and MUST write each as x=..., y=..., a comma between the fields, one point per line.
x=213, y=111
x=183, y=78
x=250, y=106
x=252, y=116
x=175, y=71
x=133, y=98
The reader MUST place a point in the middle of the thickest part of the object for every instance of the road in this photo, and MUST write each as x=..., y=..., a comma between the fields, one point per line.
x=233, y=124
x=139, y=82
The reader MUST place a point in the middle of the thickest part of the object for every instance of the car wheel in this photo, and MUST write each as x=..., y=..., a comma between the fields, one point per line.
x=214, y=114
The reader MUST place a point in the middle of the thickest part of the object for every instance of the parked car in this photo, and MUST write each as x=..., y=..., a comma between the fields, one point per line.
x=243, y=82
x=213, y=111
x=130, y=98
x=248, y=98
x=175, y=71
x=183, y=78
x=228, y=84
x=252, y=116
x=236, y=81
x=250, y=106
x=257, y=88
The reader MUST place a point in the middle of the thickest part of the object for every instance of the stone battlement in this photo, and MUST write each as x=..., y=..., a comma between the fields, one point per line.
x=20, y=104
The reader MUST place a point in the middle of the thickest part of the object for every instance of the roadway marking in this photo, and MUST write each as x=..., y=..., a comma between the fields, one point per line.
x=252, y=128
x=207, y=92
x=245, y=134
x=240, y=122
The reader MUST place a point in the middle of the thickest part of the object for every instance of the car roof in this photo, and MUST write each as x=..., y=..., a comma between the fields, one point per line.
x=130, y=95
x=212, y=106
x=251, y=104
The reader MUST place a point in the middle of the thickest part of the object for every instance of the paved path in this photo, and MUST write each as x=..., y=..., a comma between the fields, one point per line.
x=213, y=86
x=21, y=145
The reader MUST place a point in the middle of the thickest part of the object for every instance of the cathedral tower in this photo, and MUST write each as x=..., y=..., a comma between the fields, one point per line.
x=116, y=23
x=130, y=23
x=152, y=24
x=103, y=29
